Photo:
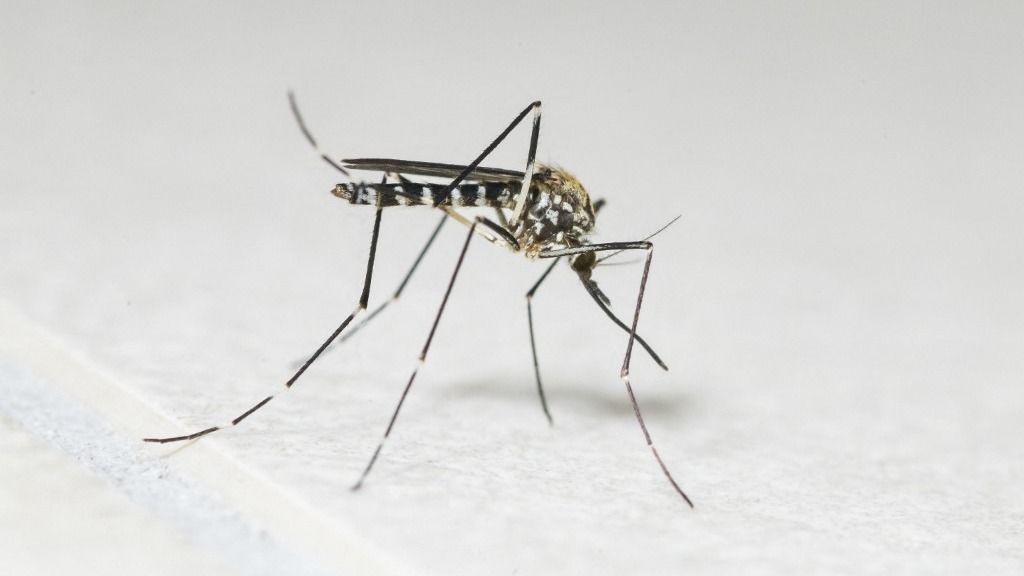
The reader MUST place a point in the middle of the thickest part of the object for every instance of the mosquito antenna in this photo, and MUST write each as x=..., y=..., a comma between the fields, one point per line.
x=309, y=135
x=656, y=232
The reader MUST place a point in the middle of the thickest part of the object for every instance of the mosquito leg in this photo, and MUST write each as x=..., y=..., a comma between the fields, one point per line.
x=401, y=286
x=591, y=287
x=500, y=216
x=395, y=296
x=648, y=247
x=454, y=215
x=625, y=374
x=363, y=298
x=422, y=360
x=536, y=108
x=517, y=214
x=359, y=325
x=309, y=135
x=533, y=340
x=598, y=204
x=505, y=233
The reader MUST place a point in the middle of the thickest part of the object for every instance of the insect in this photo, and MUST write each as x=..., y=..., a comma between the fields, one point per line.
x=543, y=213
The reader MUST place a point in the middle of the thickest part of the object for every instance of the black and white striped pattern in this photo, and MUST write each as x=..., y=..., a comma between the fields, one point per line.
x=491, y=194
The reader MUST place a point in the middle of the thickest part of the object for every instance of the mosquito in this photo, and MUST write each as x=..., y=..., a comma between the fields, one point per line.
x=542, y=213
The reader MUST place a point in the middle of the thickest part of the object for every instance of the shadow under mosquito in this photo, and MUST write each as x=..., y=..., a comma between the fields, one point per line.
x=567, y=397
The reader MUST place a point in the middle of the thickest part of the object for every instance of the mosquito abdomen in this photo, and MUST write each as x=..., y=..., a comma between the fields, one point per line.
x=491, y=194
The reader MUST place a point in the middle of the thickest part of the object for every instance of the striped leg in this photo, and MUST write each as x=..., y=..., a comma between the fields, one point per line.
x=422, y=360
x=648, y=247
x=598, y=204
x=534, y=135
x=401, y=286
x=597, y=295
x=527, y=177
x=408, y=275
x=309, y=136
x=600, y=299
x=363, y=298
x=395, y=296
x=517, y=214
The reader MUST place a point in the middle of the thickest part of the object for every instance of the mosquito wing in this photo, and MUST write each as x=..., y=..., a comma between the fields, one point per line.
x=415, y=168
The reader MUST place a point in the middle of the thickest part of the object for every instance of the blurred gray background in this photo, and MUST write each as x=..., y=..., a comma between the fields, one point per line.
x=839, y=303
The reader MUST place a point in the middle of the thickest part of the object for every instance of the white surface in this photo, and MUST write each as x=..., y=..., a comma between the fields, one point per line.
x=839, y=305
x=98, y=526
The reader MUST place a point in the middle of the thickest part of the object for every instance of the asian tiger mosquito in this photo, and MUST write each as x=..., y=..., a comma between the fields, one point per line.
x=551, y=217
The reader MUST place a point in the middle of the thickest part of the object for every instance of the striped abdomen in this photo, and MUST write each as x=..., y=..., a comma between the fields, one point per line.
x=494, y=194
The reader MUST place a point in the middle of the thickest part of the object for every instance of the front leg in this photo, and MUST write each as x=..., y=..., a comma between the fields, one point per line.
x=648, y=247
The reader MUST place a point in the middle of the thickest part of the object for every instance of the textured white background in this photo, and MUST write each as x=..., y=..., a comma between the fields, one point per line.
x=840, y=303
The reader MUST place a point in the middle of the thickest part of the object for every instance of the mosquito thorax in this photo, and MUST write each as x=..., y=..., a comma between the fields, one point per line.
x=558, y=212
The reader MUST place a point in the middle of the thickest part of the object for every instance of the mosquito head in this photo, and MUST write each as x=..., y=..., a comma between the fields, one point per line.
x=584, y=265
